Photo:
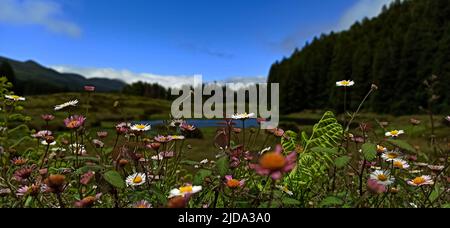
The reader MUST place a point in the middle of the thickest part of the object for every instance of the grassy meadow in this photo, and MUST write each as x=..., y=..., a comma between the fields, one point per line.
x=97, y=152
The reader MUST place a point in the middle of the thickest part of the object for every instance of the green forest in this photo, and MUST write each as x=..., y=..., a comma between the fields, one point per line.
x=408, y=43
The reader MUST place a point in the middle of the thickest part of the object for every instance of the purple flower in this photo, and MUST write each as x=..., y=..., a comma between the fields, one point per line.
x=74, y=122
x=48, y=117
x=376, y=187
x=163, y=139
x=275, y=163
x=233, y=183
x=42, y=134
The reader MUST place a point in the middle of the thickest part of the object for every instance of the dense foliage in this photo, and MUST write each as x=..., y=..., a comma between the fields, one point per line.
x=407, y=43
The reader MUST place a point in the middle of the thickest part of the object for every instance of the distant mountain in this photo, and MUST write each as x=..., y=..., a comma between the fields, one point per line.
x=406, y=44
x=33, y=78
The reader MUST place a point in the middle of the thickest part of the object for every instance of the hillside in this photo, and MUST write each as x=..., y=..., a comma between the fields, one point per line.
x=398, y=50
x=33, y=78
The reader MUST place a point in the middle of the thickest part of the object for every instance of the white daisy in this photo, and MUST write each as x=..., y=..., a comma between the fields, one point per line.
x=394, y=133
x=48, y=144
x=14, y=98
x=78, y=148
x=243, y=116
x=65, y=105
x=141, y=127
x=204, y=162
x=185, y=190
x=400, y=164
x=436, y=168
x=285, y=190
x=420, y=181
x=345, y=83
x=135, y=179
x=177, y=137
x=382, y=177
x=391, y=155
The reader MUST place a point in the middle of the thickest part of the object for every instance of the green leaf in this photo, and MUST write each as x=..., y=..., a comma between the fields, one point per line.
x=201, y=175
x=369, y=151
x=401, y=144
x=341, y=162
x=436, y=193
x=331, y=201
x=325, y=150
x=290, y=201
x=81, y=158
x=223, y=166
x=327, y=133
x=28, y=201
x=447, y=205
x=289, y=143
x=114, y=178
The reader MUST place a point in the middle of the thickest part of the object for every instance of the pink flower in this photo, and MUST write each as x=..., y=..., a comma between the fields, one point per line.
x=376, y=187
x=233, y=183
x=42, y=134
x=187, y=127
x=122, y=128
x=102, y=134
x=163, y=139
x=86, y=178
x=48, y=117
x=89, y=88
x=275, y=163
x=74, y=122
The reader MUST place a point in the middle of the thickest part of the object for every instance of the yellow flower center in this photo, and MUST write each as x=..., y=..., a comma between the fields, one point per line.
x=72, y=124
x=15, y=97
x=233, y=183
x=141, y=206
x=140, y=127
x=418, y=180
x=382, y=177
x=186, y=189
x=398, y=164
x=394, y=132
x=392, y=155
x=137, y=179
x=272, y=161
x=345, y=83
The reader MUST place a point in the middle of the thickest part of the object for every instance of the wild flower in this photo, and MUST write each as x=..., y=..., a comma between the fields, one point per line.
x=275, y=164
x=88, y=201
x=142, y=204
x=87, y=178
x=163, y=139
x=19, y=161
x=400, y=164
x=394, y=133
x=23, y=173
x=47, y=117
x=382, y=177
x=136, y=179
x=345, y=83
x=381, y=150
x=141, y=127
x=89, y=88
x=74, y=122
x=184, y=191
x=65, y=105
x=436, y=168
x=15, y=98
x=233, y=183
x=375, y=186
x=42, y=134
x=56, y=182
x=122, y=128
x=102, y=134
x=421, y=181
x=78, y=149
x=390, y=155
x=187, y=127
x=97, y=143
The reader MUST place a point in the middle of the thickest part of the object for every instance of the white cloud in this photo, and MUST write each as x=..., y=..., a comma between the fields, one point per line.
x=46, y=13
x=360, y=10
x=168, y=81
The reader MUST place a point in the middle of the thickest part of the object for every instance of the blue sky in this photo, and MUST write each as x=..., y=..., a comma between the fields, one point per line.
x=169, y=40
